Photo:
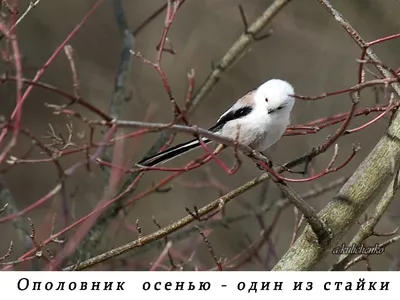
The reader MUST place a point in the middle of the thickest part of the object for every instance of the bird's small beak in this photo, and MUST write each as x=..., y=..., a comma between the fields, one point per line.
x=270, y=110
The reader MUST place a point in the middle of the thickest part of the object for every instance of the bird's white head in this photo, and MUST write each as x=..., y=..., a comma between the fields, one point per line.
x=275, y=96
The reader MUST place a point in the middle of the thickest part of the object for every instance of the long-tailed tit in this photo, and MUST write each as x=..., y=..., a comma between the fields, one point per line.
x=261, y=116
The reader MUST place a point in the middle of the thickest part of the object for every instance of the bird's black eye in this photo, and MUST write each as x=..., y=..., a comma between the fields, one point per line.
x=266, y=99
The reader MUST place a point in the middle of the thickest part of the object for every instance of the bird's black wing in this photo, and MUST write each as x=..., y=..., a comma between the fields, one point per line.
x=187, y=146
x=231, y=115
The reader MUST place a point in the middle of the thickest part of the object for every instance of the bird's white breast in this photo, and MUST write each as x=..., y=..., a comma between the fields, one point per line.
x=257, y=130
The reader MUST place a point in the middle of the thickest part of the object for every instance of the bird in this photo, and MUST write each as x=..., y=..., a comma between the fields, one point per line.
x=258, y=120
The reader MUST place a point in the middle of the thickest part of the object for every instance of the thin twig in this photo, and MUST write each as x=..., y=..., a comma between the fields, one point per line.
x=366, y=256
x=31, y=6
x=211, y=250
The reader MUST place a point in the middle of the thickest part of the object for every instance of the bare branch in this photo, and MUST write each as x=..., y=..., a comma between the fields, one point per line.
x=321, y=230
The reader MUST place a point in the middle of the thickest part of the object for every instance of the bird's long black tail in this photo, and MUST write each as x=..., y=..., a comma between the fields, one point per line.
x=171, y=153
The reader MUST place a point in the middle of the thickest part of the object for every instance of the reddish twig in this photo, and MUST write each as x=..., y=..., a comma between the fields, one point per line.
x=16, y=114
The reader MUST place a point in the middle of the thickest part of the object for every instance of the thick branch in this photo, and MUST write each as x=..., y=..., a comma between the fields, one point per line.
x=367, y=228
x=359, y=191
x=349, y=204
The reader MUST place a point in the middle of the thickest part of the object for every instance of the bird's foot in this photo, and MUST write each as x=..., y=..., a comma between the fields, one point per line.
x=268, y=162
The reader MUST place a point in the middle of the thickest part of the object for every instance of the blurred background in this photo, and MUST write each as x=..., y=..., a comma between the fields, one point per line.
x=308, y=48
